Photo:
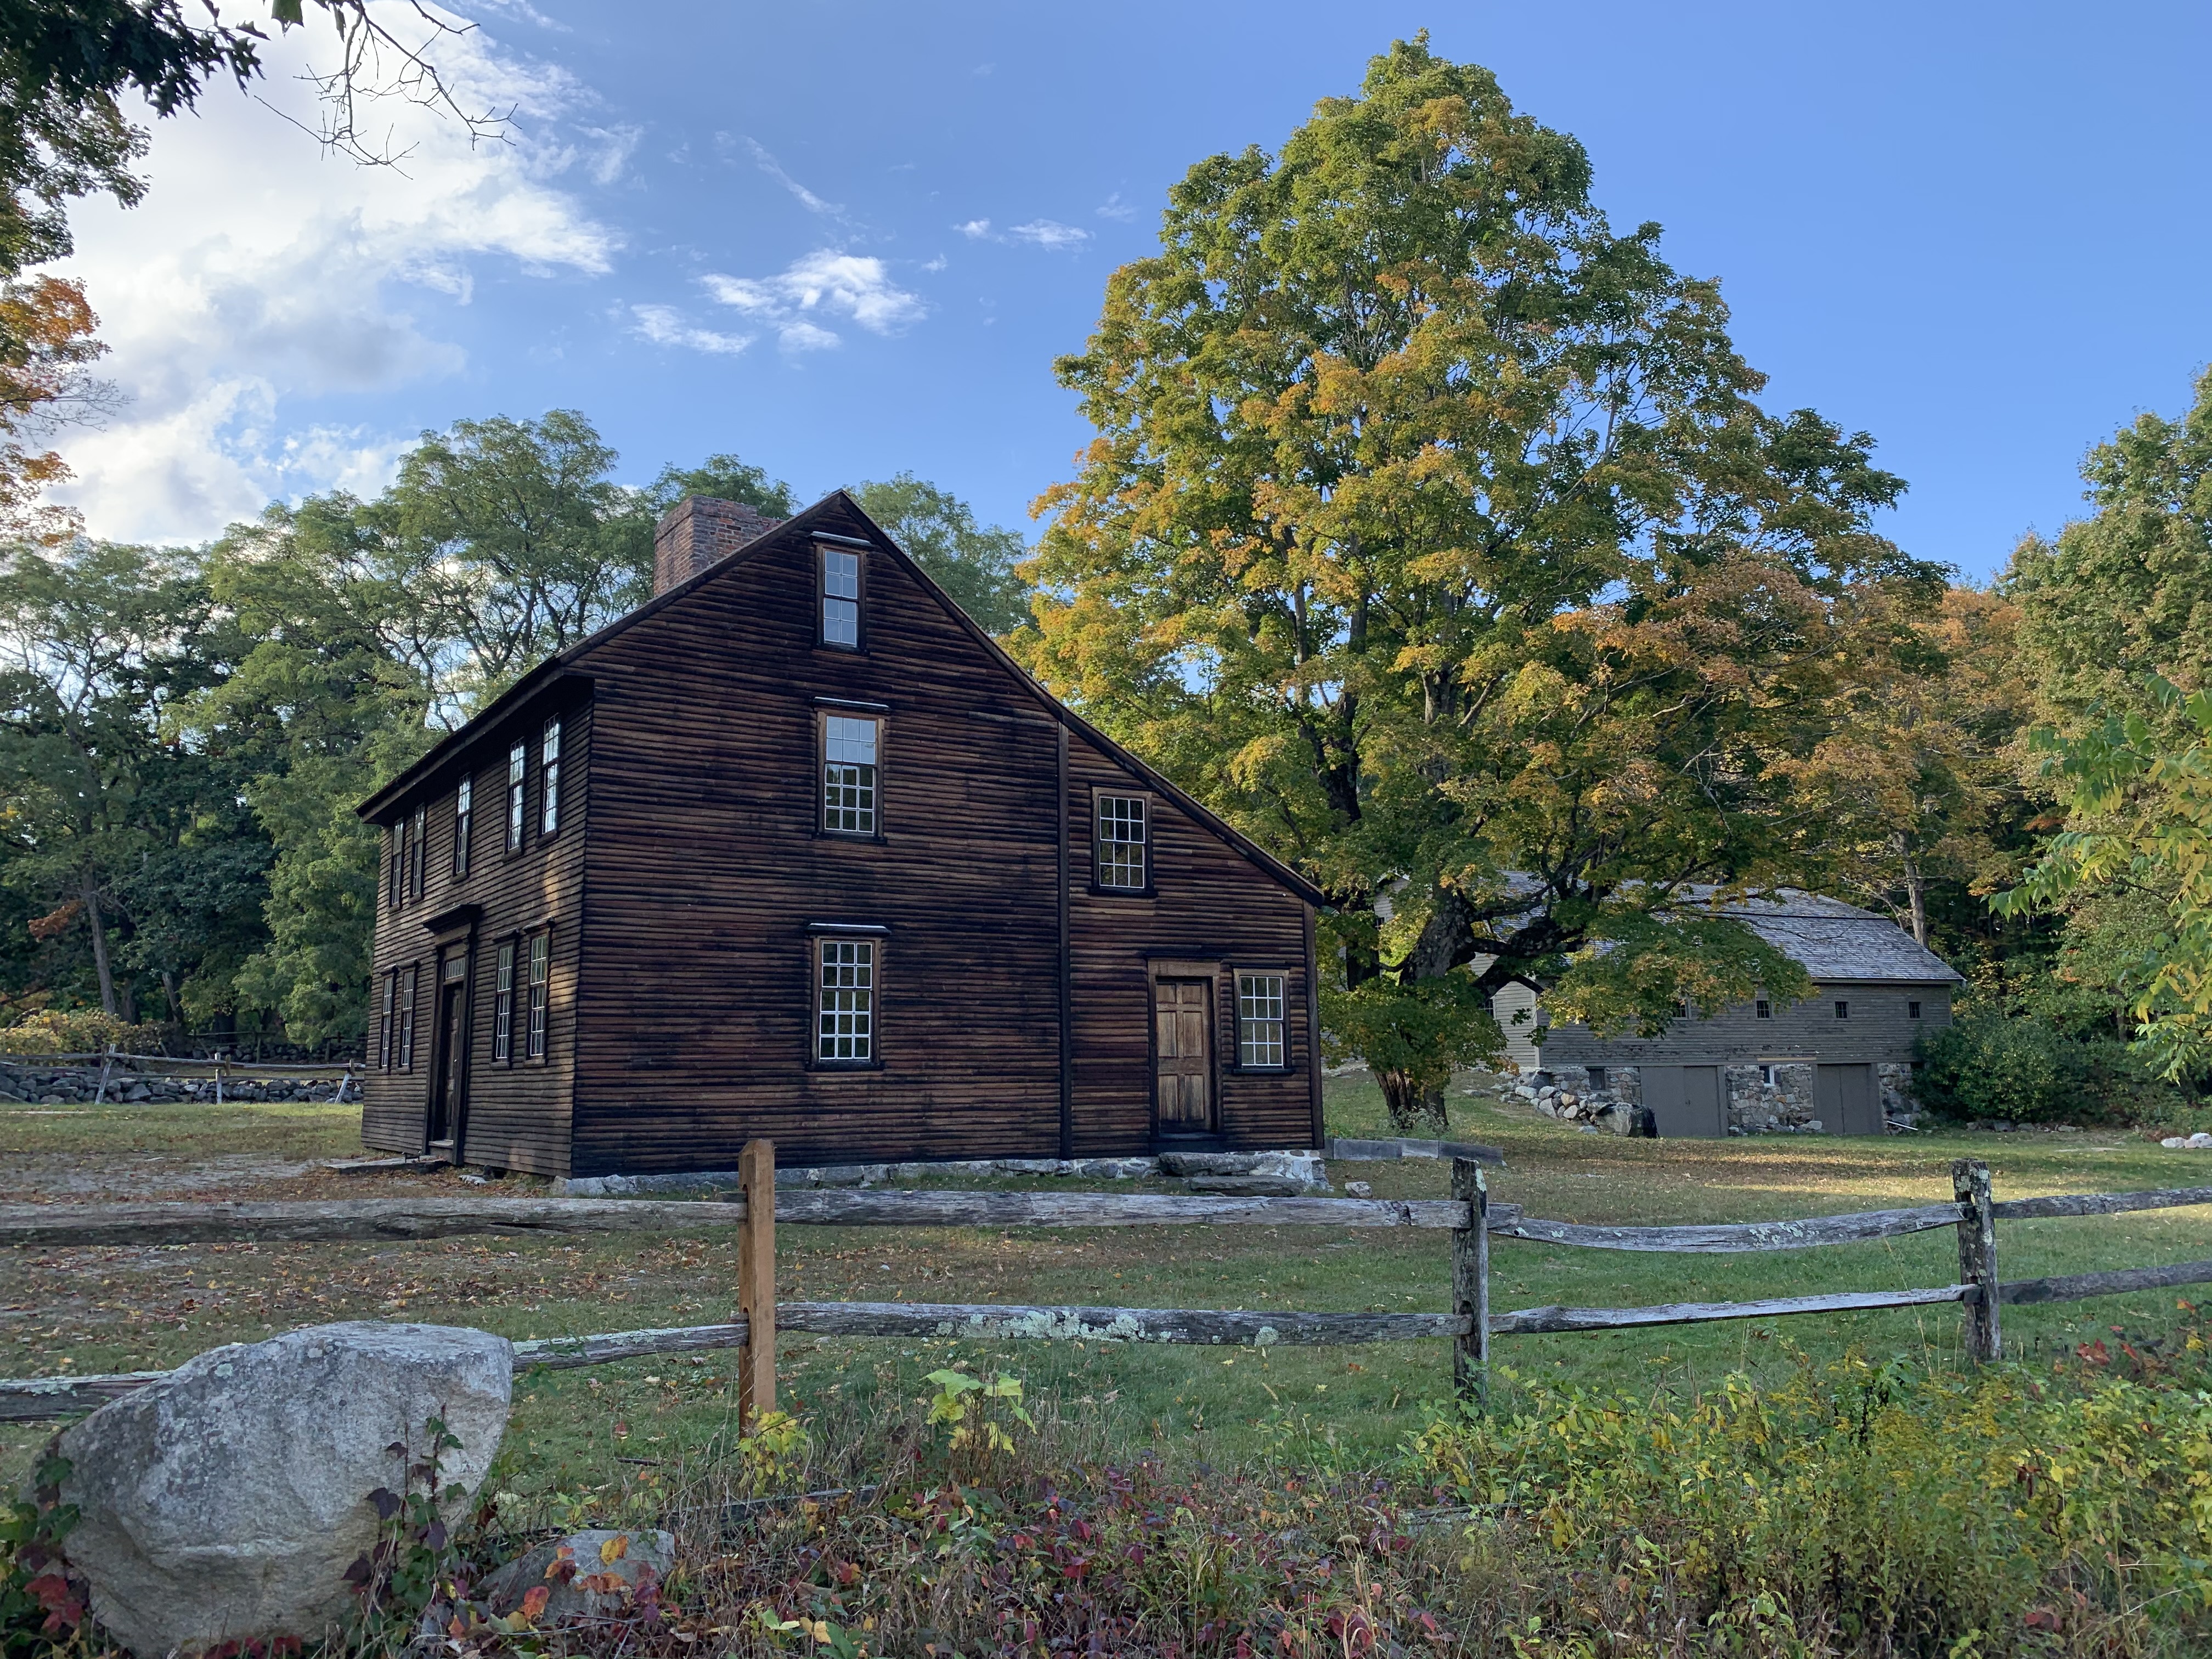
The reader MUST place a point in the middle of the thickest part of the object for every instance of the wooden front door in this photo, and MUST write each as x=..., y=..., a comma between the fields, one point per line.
x=1183, y=1055
x=448, y=1080
x=1686, y=1102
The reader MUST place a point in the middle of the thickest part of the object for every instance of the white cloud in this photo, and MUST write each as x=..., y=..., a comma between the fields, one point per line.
x=1049, y=233
x=823, y=284
x=665, y=325
x=258, y=270
x=1114, y=207
x=768, y=163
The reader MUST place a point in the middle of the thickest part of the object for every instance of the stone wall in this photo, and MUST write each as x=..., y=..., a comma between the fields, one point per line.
x=68, y=1085
x=1756, y=1105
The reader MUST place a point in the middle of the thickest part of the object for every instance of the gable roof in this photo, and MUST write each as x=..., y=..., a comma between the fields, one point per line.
x=571, y=664
x=1830, y=939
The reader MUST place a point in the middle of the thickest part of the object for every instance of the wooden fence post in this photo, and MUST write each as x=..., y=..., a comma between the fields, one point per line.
x=1471, y=1283
x=757, y=1281
x=1978, y=1258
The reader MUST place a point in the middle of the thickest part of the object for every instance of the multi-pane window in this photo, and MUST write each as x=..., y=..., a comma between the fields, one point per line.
x=549, y=780
x=464, y=820
x=1912, y=1010
x=541, y=978
x=1260, y=1021
x=502, y=1005
x=841, y=598
x=1764, y=1009
x=849, y=775
x=418, y=841
x=1121, y=842
x=398, y=863
x=1843, y=1010
x=384, y=1032
x=845, y=1021
x=407, y=1019
x=518, y=763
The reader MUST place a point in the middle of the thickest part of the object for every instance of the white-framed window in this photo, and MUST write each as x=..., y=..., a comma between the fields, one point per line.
x=399, y=864
x=502, y=1005
x=541, y=982
x=1261, y=1045
x=384, y=1031
x=407, y=988
x=548, y=779
x=845, y=1001
x=518, y=767
x=464, y=822
x=1122, y=845
x=418, y=848
x=841, y=598
x=850, y=776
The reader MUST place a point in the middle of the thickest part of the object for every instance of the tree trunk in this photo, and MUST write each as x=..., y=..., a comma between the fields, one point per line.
x=169, y=995
x=1412, y=1109
x=1915, y=887
x=99, y=925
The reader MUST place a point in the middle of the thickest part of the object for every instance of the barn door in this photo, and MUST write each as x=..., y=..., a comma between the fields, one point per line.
x=1686, y=1102
x=1847, y=1100
x=1183, y=1041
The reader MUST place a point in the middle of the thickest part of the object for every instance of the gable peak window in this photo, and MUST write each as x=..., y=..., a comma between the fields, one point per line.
x=518, y=764
x=845, y=1002
x=548, y=779
x=1764, y=1009
x=849, y=774
x=1261, y=1041
x=464, y=820
x=841, y=598
x=1123, y=844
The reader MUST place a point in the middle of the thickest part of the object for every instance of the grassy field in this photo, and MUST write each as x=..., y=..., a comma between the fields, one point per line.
x=601, y=1431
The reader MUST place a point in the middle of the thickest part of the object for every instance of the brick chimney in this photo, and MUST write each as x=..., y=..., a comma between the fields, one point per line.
x=696, y=532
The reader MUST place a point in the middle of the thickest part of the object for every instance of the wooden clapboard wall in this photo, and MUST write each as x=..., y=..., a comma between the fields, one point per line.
x=684, y=984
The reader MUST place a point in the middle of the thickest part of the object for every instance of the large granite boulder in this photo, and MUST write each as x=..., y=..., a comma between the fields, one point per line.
x=226, y=1502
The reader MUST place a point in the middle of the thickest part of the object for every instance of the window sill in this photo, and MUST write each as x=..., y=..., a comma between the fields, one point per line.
x=877, y=838
x=842, y=650
x=1097, y=891
x=844, y=1068
x=1263, y=1071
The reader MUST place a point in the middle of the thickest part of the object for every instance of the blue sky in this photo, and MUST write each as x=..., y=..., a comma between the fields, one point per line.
x=847, y=238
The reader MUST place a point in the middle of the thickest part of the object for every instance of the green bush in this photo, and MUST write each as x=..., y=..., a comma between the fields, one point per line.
x=1988, y=1066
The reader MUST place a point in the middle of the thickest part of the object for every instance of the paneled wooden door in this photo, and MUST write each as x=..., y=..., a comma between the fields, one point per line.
x=450, y=1078
x=1848, y=1100
x=1182, y=1055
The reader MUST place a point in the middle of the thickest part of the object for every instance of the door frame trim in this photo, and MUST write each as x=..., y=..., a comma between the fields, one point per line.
x=461, y=939
x=1186, y=970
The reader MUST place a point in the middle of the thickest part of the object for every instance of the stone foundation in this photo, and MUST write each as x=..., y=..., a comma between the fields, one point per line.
x=1755, y=1105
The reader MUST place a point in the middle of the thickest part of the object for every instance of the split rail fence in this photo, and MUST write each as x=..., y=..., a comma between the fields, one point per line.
x=1468, y=1216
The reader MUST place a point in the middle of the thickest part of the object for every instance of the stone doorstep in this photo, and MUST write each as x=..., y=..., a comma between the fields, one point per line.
x=1304, y=1167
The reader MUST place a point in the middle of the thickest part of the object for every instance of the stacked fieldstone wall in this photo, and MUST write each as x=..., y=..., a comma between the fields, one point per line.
x=67, y=1086
x=1764, y=1099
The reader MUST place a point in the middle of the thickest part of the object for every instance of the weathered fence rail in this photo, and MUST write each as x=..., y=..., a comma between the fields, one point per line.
x=1469, y=1216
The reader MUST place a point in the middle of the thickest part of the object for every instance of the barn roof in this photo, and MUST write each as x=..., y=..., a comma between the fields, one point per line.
x=1830, y=939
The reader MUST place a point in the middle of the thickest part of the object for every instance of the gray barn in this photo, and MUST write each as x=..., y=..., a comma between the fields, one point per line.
x=1842, y=1058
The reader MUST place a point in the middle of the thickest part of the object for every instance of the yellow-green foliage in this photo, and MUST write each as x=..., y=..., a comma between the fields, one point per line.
x=76, y=1032
x=1903, y=1512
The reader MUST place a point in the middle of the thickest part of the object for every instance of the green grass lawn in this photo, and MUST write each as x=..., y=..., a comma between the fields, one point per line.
x=110, y=1309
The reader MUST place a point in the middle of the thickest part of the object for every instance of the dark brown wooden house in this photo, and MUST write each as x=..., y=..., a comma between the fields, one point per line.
x=795, y=850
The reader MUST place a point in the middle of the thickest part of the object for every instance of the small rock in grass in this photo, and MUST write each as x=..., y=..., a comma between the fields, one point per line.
x=1357, y=1189
x=590, y=1574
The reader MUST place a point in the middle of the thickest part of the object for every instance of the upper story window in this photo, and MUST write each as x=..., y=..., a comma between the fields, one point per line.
x=517, y=763
x=845, y=1002
x=548, y=779
x=398, y=886
x=1121, y=843
x=849, y=774
x=841, y=598
x=418, y=847
x=1912, y=1010
x=464, y=822
x=1763, y=1008
x=1259, y=1023
x=1843, y=1010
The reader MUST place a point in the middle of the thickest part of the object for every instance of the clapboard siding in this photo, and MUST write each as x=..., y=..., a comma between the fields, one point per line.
x=687, y=981
x=517, y=1114
x=1880, y=1028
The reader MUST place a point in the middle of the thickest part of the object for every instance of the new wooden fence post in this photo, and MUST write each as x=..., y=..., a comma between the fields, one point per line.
x=1978, y=1258
x=1471, y=1283
x=757, y=1281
